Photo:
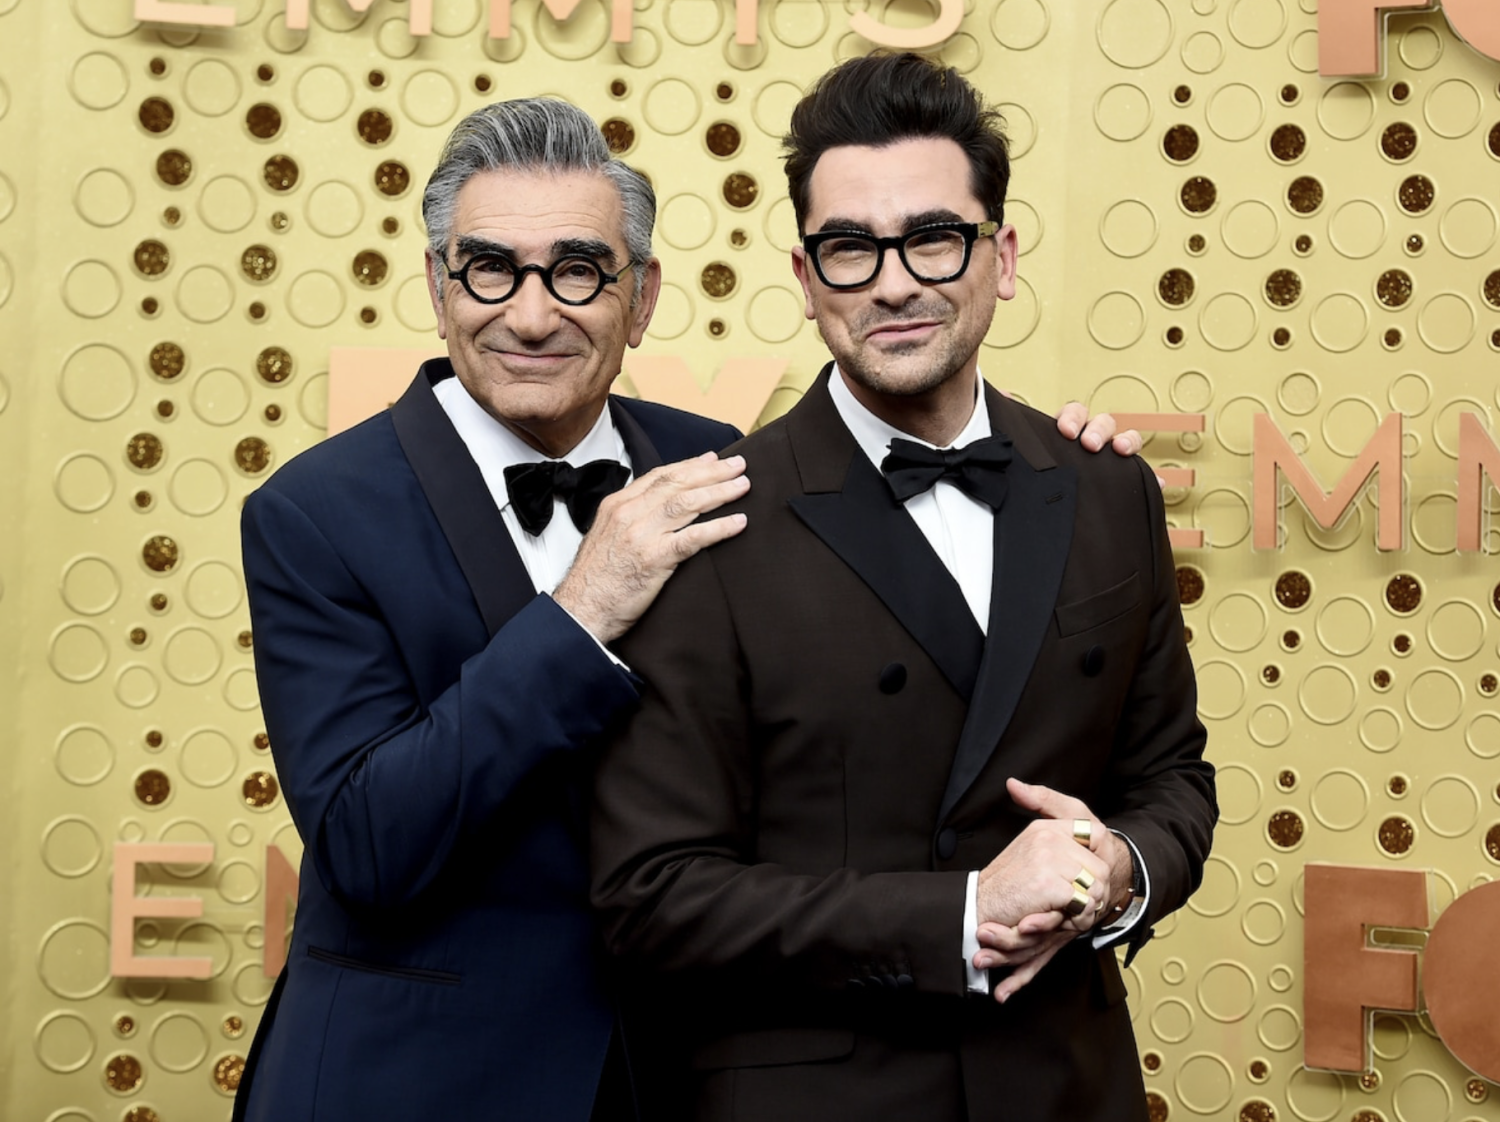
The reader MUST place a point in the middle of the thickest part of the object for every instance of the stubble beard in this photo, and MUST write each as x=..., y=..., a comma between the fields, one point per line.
x=884, y=372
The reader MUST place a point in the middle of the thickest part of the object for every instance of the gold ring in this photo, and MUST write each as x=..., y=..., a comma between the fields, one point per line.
x=1078, y=904
x=1084, y=879
x=1083, y=832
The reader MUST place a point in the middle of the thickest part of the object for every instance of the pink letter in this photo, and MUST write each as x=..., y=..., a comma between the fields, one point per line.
x=281, y=890
x=1170, y=477
x=621, y=26
x=126, y=907
x=950, y=15
x=1271, y=451
x=1350, y=33
x=197, y=15
x=1477, y=455
x=420, y=20
x=1477, y=23
x=1343, y=976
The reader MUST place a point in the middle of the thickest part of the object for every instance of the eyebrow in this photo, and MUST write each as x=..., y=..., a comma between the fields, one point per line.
x=909, y=222
x=470, y=245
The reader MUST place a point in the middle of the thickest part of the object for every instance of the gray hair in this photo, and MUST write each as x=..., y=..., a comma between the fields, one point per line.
x=535, y=134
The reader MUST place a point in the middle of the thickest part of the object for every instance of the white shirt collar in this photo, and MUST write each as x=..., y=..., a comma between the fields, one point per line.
x=495, y=448
x=874, y=436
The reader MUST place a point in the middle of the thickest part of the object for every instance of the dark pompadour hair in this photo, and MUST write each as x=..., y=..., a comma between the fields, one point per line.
x=883, y=98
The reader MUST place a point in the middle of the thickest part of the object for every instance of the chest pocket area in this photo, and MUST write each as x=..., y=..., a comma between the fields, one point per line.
x=1099, y=608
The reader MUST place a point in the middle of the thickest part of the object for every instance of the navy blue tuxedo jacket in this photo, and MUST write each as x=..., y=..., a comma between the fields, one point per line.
x=431, y=717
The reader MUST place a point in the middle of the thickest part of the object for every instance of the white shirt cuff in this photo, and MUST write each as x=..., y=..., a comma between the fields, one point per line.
x=978, y=981
x=1135, y=911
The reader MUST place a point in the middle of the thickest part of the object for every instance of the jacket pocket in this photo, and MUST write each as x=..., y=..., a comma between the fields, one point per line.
x=774, y=1047
x=406, y=973
x=1099, y=608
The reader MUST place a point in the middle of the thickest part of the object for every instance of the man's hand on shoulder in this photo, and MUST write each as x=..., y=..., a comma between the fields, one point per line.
x=642, y=534
x=1095, y=432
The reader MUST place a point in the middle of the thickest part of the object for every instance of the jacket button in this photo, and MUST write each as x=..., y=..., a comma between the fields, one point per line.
x=905, y=981
x=947, y=842
x=856, y=983
x=893, y=678
x=1093, y=662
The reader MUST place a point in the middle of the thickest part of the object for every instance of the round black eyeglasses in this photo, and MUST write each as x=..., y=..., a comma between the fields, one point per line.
x=492, y=278
x=931, y=254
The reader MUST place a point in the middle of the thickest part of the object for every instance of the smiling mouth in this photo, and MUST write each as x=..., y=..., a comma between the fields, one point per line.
x=900, y=331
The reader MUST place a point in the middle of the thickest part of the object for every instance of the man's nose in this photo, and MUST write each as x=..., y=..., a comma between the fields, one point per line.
x=532, y=312
x=893, y=284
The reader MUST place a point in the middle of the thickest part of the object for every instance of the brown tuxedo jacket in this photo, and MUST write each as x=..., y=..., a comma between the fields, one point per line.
x=783, y=831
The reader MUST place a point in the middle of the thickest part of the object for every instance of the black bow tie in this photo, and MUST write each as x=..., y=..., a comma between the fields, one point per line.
x=532, y=488
x=977, y=469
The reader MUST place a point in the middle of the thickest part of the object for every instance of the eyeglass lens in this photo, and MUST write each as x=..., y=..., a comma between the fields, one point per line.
x=929, y=255
x=491, y=277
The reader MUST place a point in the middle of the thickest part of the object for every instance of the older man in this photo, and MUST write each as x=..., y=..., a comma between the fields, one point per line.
x=910, y=727
x=431, y=594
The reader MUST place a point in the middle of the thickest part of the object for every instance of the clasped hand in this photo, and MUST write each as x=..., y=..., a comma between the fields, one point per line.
x=1027, y=892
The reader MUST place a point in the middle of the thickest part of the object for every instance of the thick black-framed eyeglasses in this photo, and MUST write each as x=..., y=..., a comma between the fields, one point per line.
x=493, y=278
x=932, y=254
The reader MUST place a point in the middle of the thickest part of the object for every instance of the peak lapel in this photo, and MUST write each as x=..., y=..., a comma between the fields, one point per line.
x=1033, y=533
x=848, y=505
x=461, y=500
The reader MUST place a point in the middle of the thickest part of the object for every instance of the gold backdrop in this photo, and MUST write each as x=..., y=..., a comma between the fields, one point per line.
x=191, y=218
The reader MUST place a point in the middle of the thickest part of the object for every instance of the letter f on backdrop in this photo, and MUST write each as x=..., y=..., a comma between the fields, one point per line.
x=1345, y=979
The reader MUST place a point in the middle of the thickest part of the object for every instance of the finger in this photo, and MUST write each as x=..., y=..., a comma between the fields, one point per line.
x=701, y=471
x=1045, y=801
x=1128, y=443
x=1098, y=432
x=1000, y=937
x=1072, y=418
x=677, y=508
x=700, y=535
x=1040, y=924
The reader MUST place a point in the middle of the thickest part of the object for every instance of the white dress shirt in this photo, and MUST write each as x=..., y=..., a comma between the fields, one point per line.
x=494, y=447
x=961, y=531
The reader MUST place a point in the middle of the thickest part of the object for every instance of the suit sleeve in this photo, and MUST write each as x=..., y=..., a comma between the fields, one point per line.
x=677, y=879
x=1164, y=789
x=384, y=785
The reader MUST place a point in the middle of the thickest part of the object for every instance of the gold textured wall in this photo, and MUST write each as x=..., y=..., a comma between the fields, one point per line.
x=190, y=219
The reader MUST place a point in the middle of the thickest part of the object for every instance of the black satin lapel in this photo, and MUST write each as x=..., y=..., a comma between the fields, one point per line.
x=643, y=454
x=876, y=538
x=1033, y=532
x=463, y=504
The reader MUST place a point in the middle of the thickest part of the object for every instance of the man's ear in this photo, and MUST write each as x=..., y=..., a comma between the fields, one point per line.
x=645, y=304
x=800, y=268
x=435, y=293
x=1006, y=252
